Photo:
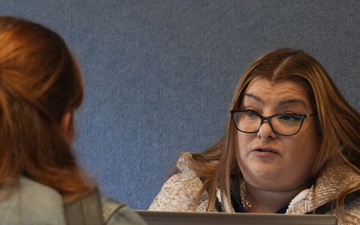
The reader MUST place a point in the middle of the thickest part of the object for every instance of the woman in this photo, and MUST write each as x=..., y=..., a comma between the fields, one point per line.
x=40, y=88
x=292, y=146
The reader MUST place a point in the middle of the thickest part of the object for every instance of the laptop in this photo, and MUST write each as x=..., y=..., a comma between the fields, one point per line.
x=212, y=218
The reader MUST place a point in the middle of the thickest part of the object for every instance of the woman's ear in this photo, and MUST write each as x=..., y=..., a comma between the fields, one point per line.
x=67, y=127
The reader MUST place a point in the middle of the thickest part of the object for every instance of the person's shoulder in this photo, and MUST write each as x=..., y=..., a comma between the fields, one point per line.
x=186, y=178
x=33, y=203
x=183, y=164
x=42, y=201
x=338, y=176
x=180, y=190
x=116, y=212
x=38, y=192
x=334, y=179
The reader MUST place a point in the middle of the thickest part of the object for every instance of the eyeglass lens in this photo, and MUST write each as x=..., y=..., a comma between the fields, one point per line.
x=286, y=124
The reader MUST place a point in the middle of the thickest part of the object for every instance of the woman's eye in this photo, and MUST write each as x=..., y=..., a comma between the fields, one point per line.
x=251, y=113
x=289, y=118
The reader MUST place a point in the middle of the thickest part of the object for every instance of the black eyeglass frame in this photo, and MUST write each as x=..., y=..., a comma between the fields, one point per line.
x=268, y=119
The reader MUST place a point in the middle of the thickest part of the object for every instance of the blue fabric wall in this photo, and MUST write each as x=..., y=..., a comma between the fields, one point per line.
x=159, y=74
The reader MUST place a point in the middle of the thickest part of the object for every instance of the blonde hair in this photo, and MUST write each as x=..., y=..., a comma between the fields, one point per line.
x=338, y=122
x=40, y=81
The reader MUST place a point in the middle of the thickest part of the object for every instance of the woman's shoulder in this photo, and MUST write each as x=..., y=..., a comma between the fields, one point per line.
x=37, y=191
x=180, y=191
x=337, y=177
x=186, y=178
x=183, y=164
x=116, y=212
x=333, y=180
x=32, y=203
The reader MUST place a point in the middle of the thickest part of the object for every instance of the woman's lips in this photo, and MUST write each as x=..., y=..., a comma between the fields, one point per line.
x=265, y=150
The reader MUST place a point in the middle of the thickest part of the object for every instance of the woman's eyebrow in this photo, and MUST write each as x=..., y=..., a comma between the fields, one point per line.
x=292, y=101
x=256, y=98
x=282, y=103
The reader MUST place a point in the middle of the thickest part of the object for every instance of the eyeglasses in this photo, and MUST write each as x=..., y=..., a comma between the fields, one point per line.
x=285, y=124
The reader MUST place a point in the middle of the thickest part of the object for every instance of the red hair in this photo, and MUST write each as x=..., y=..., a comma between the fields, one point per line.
x=40, y=81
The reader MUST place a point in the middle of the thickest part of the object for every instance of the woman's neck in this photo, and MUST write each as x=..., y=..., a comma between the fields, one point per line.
x=263, y=201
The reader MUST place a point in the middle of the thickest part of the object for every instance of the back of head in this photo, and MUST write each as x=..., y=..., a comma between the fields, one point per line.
x=39, y=83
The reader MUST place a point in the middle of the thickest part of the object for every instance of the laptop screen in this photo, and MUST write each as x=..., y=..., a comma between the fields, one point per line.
x=197, y=218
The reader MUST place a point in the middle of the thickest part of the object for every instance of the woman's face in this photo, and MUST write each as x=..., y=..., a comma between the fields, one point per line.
x=273, y=162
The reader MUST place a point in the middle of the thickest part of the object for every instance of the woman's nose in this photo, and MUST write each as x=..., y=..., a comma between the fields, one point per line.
x=265, y=131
